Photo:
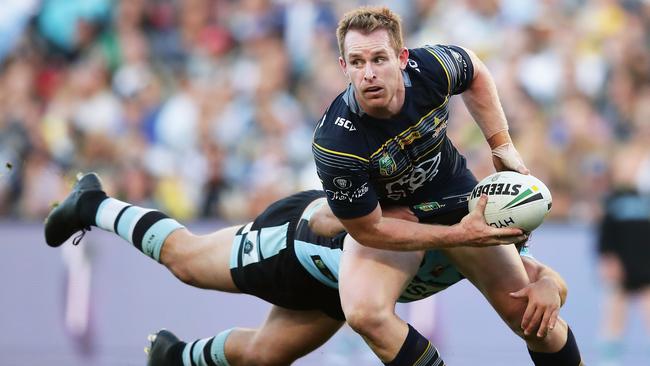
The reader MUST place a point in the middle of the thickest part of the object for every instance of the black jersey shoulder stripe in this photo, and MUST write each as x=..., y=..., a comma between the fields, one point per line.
x=434, y=50
x=426, y=154
x=348, y=164
x=410, y=128
x=338, y=153
x=351, y=165
x=439, y=125
x=452, y=67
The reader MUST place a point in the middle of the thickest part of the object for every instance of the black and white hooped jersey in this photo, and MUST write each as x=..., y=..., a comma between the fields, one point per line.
x=405, y=160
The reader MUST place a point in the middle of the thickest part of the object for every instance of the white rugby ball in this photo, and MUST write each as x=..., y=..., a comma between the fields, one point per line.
x=514, y=199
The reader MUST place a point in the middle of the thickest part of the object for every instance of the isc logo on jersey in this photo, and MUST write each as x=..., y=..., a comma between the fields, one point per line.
x=514, y=199
x=340, y=121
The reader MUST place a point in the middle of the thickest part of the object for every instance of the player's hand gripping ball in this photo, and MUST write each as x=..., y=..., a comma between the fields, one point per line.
x=514, y=199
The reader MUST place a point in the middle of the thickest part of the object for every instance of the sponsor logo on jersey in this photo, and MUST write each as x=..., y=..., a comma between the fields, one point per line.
x=460, y=61
x=408, y=139
x=322, y=268
x=418, y=289
x=387, y=165
x=457, y=56
x=497, y=188
x=439, y=127
x=342, y=182
x=347, y=124
x=429, y=206
x=416, y=178
x=347, y=195
x=413, y=65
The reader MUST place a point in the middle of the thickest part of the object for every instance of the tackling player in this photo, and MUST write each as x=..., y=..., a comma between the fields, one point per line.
x=279, y=258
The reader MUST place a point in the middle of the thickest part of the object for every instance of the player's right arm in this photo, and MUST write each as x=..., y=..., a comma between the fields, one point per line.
x=377, y=231
x=323, y=222
x=343, y=165
x=457, y=70
x=482, y=101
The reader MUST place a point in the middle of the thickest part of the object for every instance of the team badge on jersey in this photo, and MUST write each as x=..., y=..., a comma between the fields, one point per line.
x=387, y=165
x=248, y=247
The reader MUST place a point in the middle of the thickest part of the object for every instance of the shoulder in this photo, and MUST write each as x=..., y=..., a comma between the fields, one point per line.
x=338, y=132
x=448, y=64
x=437, y=55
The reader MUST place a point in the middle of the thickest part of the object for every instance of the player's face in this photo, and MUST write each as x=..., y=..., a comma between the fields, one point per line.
x=375, y=72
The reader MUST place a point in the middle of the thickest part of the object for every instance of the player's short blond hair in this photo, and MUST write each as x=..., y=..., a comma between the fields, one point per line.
x=367, y=19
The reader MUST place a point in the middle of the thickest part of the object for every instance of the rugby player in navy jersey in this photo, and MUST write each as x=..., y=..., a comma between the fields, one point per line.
x=383, y=142
x=279, y=258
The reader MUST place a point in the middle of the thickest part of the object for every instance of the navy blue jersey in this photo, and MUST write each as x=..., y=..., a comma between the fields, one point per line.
x=404, y=160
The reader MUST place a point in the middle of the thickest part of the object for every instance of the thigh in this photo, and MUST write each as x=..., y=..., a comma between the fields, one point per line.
x=495, y=271
x=372, y=276
x=291, y=334
x=202, y=260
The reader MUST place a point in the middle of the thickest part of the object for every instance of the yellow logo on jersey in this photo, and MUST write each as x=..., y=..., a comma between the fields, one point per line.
x=408, y=139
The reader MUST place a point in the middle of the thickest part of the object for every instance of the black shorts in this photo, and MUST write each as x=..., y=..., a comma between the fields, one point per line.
x=628, y=240
x=263, y=262
x=624, y=232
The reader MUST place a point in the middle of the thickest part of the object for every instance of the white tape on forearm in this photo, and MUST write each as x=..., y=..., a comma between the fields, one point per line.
x=508, y=155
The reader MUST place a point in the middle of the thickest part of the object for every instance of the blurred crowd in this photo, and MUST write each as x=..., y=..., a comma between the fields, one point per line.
x=205, y=108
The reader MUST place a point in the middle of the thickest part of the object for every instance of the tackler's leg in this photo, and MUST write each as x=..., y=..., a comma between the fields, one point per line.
x=285, y=336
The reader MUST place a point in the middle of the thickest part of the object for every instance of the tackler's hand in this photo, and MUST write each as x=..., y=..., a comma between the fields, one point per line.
x=543, y=308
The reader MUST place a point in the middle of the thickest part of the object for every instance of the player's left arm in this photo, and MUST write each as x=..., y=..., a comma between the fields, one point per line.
x=545, y=294
x=482, y=101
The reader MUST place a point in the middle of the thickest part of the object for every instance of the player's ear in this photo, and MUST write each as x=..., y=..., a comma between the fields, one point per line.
x=344, y=66
x=403, y=56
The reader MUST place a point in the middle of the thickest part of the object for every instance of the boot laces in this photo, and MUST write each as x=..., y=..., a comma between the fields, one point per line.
x=77, y=239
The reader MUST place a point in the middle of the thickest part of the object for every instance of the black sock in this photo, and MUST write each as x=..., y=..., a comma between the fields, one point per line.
x=569, y=355
x=88, y=206
x=146, y=229
x=416, y=349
